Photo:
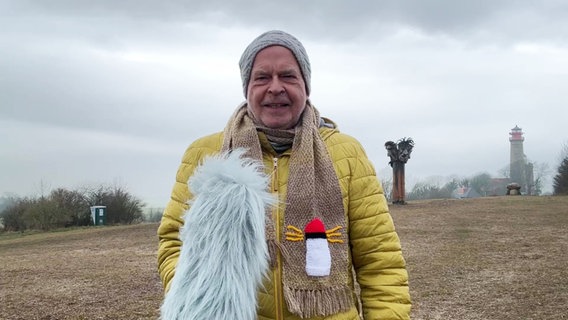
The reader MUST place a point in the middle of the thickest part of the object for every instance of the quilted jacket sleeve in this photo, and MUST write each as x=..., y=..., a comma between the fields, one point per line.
x=172, y=219
x=375, y=246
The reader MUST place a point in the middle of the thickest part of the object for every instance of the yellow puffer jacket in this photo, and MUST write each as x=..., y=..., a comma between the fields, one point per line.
x=375, y=246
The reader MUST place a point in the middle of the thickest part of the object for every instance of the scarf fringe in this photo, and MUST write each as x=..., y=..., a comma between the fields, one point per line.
x=307, y=303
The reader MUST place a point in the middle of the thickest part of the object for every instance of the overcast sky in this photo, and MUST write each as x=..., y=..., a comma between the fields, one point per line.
x=112, y=92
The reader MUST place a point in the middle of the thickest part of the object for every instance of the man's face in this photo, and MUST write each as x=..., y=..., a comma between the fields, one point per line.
x=276, y=92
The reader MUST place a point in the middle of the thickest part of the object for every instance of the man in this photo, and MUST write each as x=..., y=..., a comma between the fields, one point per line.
x=332, y=216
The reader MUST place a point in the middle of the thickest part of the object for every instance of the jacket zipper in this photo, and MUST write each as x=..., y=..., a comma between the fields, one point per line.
x=278, y=299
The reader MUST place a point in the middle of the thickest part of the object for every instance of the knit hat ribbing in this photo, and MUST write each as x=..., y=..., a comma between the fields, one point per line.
x=275, y=38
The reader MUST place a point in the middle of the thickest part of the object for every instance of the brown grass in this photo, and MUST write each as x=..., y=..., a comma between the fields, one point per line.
x=94, y=273
x=492, y=258
x=499, y=258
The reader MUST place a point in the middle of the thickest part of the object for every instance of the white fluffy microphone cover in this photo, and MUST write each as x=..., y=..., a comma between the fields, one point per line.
x=224, y=254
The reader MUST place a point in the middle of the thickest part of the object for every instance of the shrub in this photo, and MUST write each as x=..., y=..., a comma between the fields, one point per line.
x=561, y=179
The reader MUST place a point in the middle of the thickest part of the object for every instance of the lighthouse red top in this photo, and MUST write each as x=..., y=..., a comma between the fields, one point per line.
x=516, y=134
x=315, y=229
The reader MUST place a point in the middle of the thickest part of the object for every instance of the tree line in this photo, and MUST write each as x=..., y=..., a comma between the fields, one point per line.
x=560, y=182
x=483, y=184
x=63, y=208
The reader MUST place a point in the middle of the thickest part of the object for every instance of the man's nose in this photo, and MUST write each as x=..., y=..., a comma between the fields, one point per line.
x=276, y=87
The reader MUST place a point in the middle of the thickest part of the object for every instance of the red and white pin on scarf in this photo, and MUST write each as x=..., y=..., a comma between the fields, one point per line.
x=318, y=256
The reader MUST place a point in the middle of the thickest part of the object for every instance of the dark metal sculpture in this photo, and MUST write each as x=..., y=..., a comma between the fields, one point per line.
x=399, y=154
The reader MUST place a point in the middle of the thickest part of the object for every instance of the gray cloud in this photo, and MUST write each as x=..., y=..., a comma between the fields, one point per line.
x=327, y=19
x=136, y=81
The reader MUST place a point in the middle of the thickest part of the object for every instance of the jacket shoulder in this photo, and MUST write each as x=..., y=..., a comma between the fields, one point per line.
x=202, y=147
x=343, y=145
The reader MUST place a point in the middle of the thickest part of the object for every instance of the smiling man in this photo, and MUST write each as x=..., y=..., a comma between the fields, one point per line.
x=327, y=191
x=276, y=92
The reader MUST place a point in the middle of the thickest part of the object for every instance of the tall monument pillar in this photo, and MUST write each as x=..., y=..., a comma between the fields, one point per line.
x=399, y=154
x=518, y=161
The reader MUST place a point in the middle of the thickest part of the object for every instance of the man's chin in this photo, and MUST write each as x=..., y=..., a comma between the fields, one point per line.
x=280, y=125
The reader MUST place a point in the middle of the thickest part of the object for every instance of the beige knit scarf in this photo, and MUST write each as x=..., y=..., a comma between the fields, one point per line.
x=313, y=191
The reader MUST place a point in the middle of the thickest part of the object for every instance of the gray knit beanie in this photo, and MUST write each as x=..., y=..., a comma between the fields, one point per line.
x=275, y=38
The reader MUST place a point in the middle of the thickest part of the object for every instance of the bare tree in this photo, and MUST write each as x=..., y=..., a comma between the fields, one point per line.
x=561, y=179
x=563, y=152
x=387, y=187
x=541, y=174
x=64, y=208
x=481, y=183
x=505, y=172
x=121, y=206
x=153, y=214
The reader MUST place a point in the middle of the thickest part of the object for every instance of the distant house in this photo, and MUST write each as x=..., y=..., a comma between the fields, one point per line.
x=463, y=193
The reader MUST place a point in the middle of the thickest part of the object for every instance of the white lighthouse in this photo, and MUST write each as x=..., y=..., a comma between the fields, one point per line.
x=521, y=171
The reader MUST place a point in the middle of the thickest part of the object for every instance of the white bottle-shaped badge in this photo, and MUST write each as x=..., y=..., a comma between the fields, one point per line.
x=318, y=257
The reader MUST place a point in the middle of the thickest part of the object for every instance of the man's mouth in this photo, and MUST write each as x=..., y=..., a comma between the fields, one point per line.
x=276, y=105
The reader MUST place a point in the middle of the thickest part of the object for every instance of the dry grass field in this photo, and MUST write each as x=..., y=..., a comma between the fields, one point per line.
x=499, y=258
x=502, y=258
